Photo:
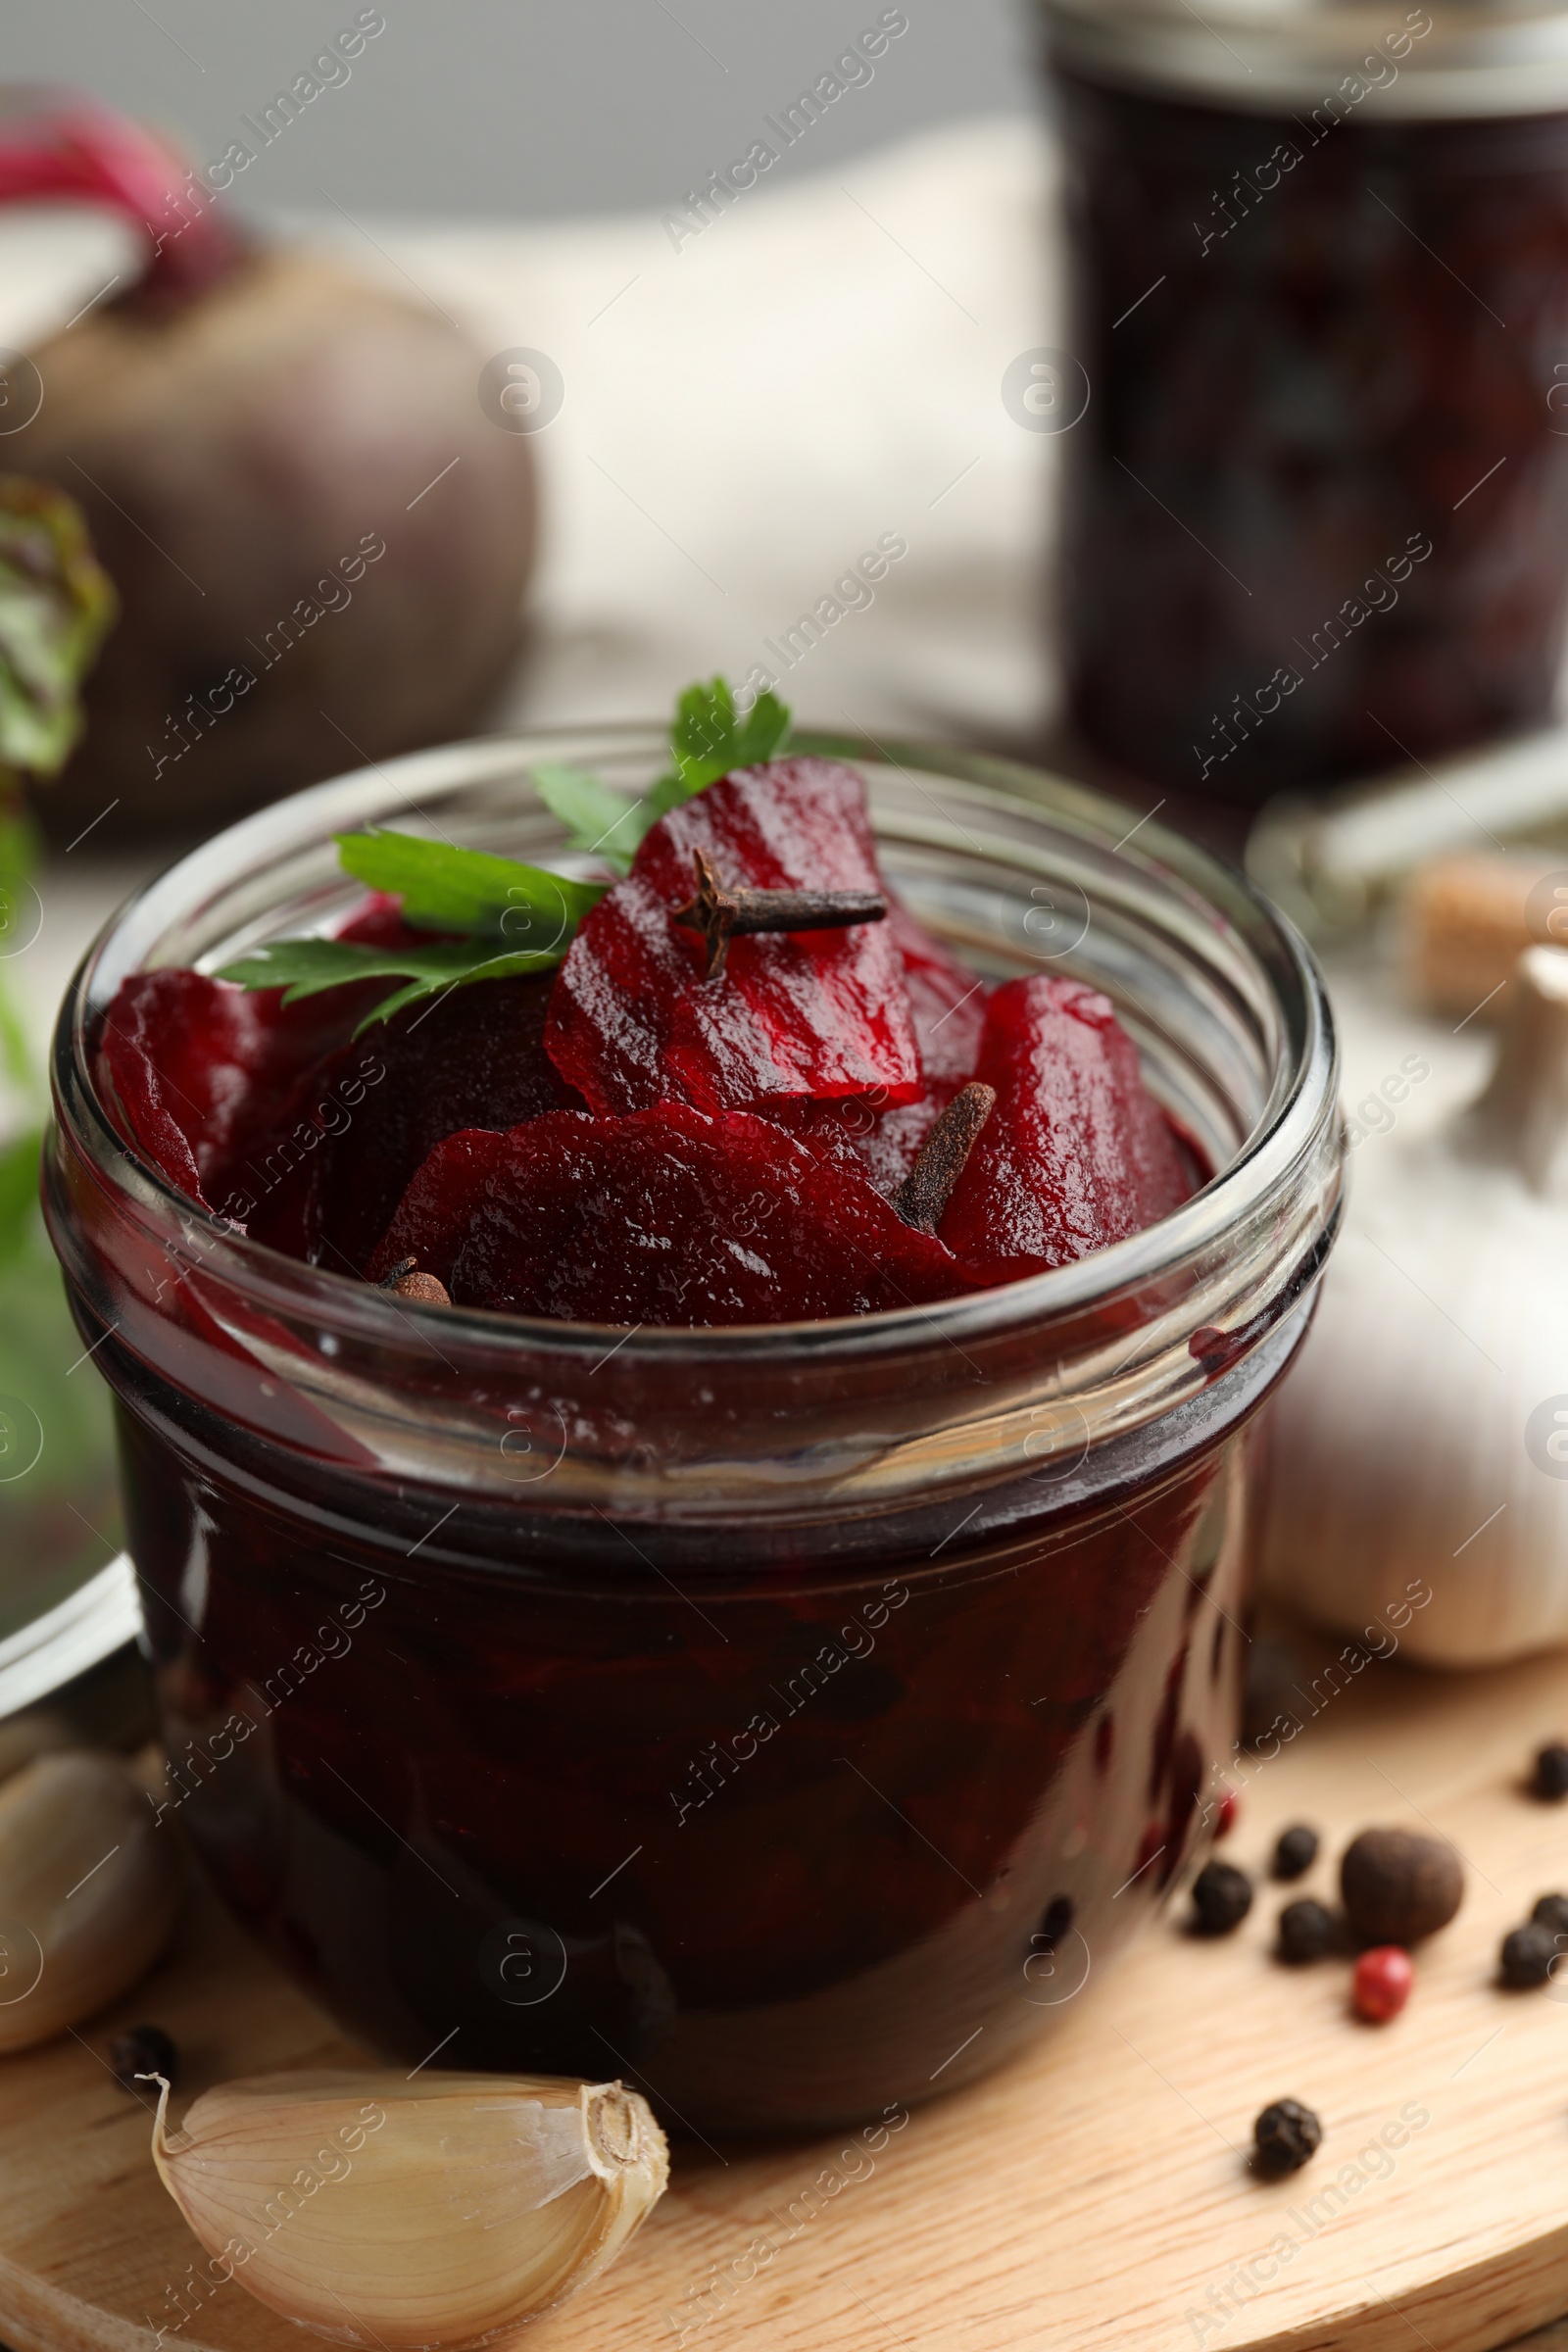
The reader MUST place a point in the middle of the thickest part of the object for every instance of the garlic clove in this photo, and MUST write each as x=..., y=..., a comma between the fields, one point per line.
x=419, y=2216
x=88, y=1891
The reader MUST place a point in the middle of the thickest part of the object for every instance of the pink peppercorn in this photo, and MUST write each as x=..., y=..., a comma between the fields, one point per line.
x=1225, y=1815
x=1382, y=1982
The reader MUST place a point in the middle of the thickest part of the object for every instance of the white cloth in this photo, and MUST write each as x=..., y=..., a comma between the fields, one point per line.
x=750, y=408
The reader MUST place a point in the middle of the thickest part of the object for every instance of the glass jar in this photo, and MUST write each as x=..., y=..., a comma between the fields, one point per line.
x=790, y=1718
x=1315, y=515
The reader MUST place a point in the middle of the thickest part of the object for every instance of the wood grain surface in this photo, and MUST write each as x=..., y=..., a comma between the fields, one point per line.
x=1093, y=2198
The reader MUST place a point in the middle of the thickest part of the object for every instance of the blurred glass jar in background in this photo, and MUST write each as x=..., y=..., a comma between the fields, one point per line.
x=1315, y=516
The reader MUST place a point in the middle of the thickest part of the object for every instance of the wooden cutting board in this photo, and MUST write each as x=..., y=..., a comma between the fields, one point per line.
x=1093, y=2195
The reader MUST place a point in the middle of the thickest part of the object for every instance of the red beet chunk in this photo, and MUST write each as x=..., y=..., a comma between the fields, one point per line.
x=1076, y=1154
x=472, y=1059
x=948, y=1005
x=206, y=1073
x=947, y=1001
x=664, y=1216
x=813, y=1015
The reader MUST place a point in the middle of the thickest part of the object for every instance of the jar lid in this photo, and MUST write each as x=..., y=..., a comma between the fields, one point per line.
x=1355, y=62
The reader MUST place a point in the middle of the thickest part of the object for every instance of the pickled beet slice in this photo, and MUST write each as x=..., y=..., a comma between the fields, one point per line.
x=948, y=1006
x=947, y=1001
x=1076, y=1154
x=472, y=1059
x=667, y=1215
x=205, y=1072
x=808, y=1015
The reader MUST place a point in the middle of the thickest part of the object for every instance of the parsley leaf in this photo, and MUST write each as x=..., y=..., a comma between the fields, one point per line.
x=514, y=917
x=306, y=968
x=446, y=888
x=708, y=739
x=606, y=823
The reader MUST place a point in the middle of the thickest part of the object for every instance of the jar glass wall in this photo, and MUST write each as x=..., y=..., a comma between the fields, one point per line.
x=794, y=1718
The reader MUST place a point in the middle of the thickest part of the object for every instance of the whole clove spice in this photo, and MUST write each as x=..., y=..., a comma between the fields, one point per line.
x=928, y=1186
x=721, y=914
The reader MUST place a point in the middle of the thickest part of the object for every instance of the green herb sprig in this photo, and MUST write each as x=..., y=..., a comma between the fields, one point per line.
x=513, y=918
x=707, y=739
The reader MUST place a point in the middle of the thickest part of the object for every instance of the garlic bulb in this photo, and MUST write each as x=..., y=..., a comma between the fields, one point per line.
x=434, y=2213
x=88, y=1890
x=1415, y=1478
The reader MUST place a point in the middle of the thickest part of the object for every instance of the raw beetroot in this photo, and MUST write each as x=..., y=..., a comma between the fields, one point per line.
x=809, y=1016
x=252, y=433
x=1077, y=1154
x=666, y=1215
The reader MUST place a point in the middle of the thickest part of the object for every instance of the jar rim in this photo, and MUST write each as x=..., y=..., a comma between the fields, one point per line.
x=1467, y=61
x=1290, y=1158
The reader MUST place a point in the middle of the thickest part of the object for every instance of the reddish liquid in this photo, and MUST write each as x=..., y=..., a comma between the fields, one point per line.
x=1300, y=375
x=784, y=1826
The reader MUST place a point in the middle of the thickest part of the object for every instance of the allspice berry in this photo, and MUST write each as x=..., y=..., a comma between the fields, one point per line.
x=421, y=1289
x=1399, y=1885
x=405, y=1281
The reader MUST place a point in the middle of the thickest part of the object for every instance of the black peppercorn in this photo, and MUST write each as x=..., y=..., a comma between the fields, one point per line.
x=1551, y=1911
x=1551, y=1772
x=1222, y=1896
x=144, y=2050
x=1285, y=2134
x=1527, y=1955
x=1295, y=1851
x=1306, y=1930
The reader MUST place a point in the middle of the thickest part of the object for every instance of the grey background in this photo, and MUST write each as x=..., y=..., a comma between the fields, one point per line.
x=520, y=107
